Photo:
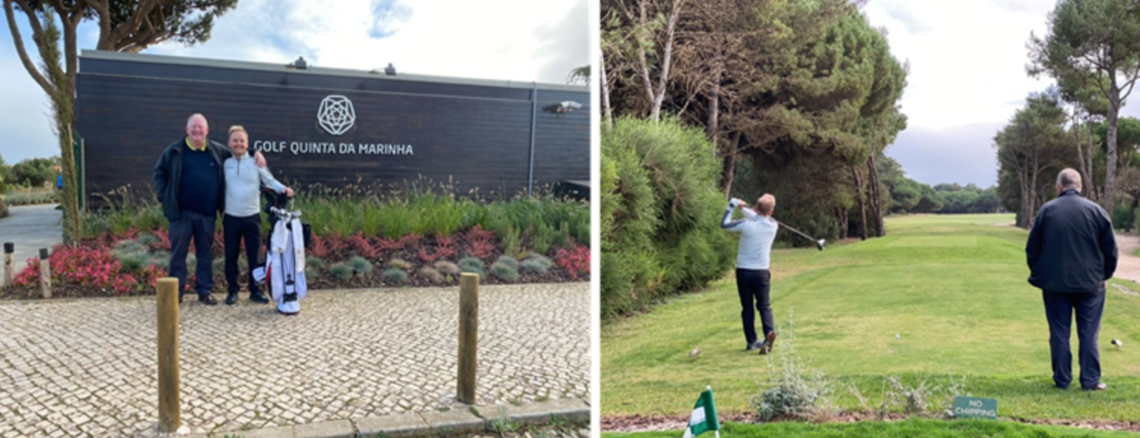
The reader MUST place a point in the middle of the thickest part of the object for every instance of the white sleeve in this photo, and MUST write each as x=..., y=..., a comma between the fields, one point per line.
x=269, y=181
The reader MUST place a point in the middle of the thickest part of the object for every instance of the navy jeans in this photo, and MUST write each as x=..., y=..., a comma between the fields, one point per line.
x=199, y=229
x=1059, y=310
x=753, y=286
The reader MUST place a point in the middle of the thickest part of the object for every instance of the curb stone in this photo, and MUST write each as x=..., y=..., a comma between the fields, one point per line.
x=535, y=414
x=397, y=425
x=459, y=421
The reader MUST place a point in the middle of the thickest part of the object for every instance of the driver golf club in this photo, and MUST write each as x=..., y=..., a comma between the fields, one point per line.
x=819, y=243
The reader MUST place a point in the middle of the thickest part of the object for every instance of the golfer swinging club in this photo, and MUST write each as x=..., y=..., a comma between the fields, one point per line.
x=753, y=281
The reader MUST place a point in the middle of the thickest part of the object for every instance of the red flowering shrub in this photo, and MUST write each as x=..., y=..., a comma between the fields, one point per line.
x=446, y=241
x=575, y=261
x=409, y=240
x=387, y=244
x=335, y=243
x=445, y=248
x=480, y=243
x=163, y=239
x=364, y=246
x=318, y=249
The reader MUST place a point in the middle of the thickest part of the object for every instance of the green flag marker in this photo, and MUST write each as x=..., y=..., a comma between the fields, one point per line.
x=704, y=416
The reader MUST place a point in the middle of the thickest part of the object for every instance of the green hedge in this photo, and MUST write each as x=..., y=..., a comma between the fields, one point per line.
x=660, y=214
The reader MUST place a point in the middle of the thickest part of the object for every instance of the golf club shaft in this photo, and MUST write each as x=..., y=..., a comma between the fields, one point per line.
x=801, y=233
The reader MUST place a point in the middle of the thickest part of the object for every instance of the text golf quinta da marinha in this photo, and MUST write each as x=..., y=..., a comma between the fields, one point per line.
x=305, y=147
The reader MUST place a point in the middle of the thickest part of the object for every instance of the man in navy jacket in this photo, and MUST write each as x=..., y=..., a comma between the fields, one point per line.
x=1071, y=254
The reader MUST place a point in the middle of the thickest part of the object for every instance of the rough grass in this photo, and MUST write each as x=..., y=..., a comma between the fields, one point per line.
x=30, y=196
x=953, y=288
x=916, y=428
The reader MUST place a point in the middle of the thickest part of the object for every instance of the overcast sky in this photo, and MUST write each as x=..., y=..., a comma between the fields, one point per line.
x=522, y=40
x=967, y=78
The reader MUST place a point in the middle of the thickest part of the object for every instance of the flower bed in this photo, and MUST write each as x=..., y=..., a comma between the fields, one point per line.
x=129, y=263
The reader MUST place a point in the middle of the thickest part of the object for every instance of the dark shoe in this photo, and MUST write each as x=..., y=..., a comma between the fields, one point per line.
x=1100, y=386
x=754, y=345
x=1063, y=388
x=769, y=343
x=207, y=300
x=231, y=298
x=258, y=297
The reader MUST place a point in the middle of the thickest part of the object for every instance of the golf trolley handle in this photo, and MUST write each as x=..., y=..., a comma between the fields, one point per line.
x=286, y=214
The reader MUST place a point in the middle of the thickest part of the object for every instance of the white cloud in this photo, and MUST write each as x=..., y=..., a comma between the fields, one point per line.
x=488, y=40
x=521, y=40
x=967, y=70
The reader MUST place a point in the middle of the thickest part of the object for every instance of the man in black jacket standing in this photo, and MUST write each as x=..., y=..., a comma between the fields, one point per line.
x=1071, y=254
x=189, y=181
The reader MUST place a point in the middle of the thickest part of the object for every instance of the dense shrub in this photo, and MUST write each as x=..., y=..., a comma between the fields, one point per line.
x=360, y=265
x=431, y=274
x=472, y=265
x=447, y=267
x=533, y=266
x=660, y=214
x=509, y=261
x=341, y=271
x=394, y=276
x=504, y=272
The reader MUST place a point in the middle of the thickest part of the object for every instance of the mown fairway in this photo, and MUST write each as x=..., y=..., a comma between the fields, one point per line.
x=954, y=290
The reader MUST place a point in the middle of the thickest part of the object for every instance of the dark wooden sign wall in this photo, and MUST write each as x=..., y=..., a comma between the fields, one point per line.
x=476, y=134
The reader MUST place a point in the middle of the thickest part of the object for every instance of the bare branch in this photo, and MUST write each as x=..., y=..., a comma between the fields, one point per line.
x=18, y=41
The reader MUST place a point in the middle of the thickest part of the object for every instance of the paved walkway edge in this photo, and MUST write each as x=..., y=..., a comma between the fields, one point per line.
x=460, y=420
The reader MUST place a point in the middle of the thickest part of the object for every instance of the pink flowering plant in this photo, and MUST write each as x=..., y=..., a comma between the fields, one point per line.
x=92, y=266
x=576, y=261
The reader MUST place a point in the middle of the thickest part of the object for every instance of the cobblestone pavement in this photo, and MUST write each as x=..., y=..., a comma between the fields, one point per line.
x=88, y=367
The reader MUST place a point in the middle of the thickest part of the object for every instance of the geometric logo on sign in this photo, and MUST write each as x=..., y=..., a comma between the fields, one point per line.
x=336, y=114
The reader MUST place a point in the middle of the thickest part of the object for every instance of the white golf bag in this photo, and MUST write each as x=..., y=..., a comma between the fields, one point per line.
x=285, y=262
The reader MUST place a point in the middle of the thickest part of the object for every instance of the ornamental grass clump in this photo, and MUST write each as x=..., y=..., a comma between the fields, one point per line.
x=394, y=276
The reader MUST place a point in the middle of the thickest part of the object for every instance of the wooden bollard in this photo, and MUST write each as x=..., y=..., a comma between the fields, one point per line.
x=9, y=263
x=169, y=415
x=45, y=273
x=468, y=335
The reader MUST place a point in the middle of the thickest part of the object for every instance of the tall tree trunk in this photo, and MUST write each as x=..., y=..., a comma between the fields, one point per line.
x=860, y=189
x=1091, y=183
x=876, y=198
x=729, y=170
x=1085, y=175
x=714, y=113
x=606, y=108
x=1023, y=219
x=1033, y=192
x=841, y=215
x=656, y=94
x=1109, y=200
x=1132, y=211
